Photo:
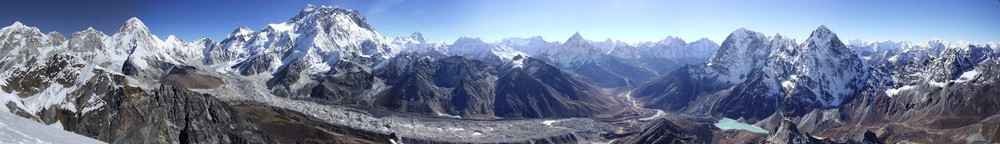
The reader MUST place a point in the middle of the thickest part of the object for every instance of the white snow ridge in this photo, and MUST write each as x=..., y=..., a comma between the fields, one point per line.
x=14, y=129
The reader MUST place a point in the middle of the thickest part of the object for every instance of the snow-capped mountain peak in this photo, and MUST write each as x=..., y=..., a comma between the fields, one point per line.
x=467, y=46
x=575, y=39
x=823, y=36
x=469, y=41
x=133, y=25
x=742, y=51
x=419, y=37
x=242, y=33
x=16, y=24
x=834, y=70
x=173, y=39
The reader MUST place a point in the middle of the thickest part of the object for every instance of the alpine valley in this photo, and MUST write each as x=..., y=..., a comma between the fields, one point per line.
x=326, y=76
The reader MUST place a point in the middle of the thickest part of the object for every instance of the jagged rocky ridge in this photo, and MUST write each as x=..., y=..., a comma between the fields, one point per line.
x=774, y=75
x=832, y=88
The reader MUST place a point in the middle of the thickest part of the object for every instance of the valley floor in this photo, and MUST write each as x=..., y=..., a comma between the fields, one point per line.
x=417, y=126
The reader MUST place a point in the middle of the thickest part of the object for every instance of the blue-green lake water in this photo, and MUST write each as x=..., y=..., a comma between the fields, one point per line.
x=728, y=123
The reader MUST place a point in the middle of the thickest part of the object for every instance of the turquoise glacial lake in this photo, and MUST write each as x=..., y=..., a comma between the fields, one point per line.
x=728, y=124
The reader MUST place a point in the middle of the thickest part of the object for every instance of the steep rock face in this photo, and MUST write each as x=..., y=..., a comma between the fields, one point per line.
x=166, y=115
x=457, y=86
x=449, y=86
x=172, y=114
x=788, y=133
x=831, y=71
x=772, y=76
x=146, y=55
x=536, y=89
x=741, y=52
x=21, y=45
x=42, y=77
x=674, y=91
x=966, y=105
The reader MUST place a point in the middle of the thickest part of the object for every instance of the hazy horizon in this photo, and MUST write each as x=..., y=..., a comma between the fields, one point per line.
x=625, y=20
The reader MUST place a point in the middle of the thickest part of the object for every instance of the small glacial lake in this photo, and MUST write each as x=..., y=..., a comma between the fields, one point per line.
x=728, y=123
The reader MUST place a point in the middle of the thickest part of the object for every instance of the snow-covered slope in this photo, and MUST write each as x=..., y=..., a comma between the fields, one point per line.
x=231, y=49
x=739, y=54
x=831, y=70
x=15, y=129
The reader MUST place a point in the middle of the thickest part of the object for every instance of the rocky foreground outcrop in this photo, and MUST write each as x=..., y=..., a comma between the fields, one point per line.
x=171, y=114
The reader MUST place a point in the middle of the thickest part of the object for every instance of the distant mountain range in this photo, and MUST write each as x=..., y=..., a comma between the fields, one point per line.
x=327, y=74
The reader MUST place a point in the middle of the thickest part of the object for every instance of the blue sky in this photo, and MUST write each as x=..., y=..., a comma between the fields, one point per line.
x=555, y=20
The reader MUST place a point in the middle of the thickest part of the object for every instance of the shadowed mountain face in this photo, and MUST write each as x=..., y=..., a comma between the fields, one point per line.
x=523, y=88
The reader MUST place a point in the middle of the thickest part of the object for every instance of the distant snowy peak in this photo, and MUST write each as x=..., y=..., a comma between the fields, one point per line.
x=477, y=49
x=672, y=41
x=133, y=27
x=418, y=37
x=414, y=38
x=173, y=41
x=575, y=39
x=467, y=45
x=533, y=46
x=823, y=37
x=702, y=47
x=312, y=15
x=18, y=26
x=243, y=33
x=20, y=45
x=417, y=43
